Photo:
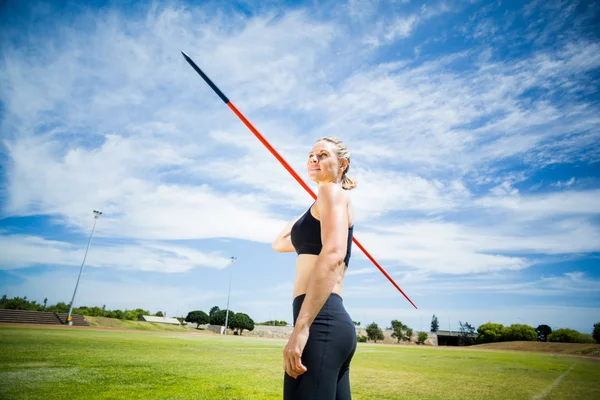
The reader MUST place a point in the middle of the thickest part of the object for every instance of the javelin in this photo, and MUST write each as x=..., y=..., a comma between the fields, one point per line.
x=282, y=161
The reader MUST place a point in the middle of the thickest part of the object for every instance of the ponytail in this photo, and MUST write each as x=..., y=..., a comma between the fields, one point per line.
x=347, y=182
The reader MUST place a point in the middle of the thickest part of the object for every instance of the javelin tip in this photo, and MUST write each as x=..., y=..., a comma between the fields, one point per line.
x=205, y=77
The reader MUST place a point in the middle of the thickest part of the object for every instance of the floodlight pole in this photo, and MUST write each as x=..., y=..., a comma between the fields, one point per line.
x=228, y=294
x=97, y=214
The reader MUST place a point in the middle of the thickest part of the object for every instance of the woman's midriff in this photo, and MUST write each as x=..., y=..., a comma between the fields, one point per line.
x=305, y=263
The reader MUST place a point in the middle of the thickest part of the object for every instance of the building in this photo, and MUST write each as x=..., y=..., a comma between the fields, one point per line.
x=159, y=320
x=450, y=338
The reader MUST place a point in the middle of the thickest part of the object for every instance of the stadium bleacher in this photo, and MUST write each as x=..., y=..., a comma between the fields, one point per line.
x=39, y=317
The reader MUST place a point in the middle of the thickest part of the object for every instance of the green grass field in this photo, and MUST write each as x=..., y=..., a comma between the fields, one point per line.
x=67, y=363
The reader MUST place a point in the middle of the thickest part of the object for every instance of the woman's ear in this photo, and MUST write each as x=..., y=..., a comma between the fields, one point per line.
x=344, y=164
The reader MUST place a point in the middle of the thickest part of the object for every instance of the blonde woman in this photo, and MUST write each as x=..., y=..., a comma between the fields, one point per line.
x=317, y=357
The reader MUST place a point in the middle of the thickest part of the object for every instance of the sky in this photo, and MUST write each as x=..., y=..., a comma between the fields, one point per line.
x=473, y=128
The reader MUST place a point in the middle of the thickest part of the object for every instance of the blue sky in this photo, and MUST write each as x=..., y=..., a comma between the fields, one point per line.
x=473, y=128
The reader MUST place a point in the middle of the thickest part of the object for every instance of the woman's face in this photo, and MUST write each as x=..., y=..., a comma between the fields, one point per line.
x=323, y=164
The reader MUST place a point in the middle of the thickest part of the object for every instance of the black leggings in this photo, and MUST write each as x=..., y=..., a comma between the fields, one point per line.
x=326, y=356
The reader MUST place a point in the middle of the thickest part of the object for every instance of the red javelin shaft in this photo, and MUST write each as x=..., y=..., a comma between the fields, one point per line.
x=282, y=161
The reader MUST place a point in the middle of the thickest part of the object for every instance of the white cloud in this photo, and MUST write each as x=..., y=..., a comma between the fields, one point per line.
x=23, y=251
x=114, y=119
x=427, y=290
x=361, y=271
x=583, y=202
x=484, y=242
x=436, y=247
x=118, y=179
x=567, y=183
x=400, y=28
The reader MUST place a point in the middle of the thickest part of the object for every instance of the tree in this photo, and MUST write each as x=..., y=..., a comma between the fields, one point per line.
x=241, y=321
x=374, y=332
x=273, y=323
x=356, y=323
x=399, y=330
x=218, y=318
x=565, y=335
x=422, y=337
x=213, y=311
x=519, y=332
x=489, y=332
x=596, y=332
x=159, y=314
x=18, y=303
x=467, y=331
x=542, y=332
x=197, y=317
x=435, y=325
x=45, y=302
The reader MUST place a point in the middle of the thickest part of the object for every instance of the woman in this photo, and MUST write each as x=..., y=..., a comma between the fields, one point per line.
x=318, y=354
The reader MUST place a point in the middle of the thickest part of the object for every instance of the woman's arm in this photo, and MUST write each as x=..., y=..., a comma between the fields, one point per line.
x=283, y=241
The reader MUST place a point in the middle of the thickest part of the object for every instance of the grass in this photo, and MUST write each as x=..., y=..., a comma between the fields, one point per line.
x=57, y=363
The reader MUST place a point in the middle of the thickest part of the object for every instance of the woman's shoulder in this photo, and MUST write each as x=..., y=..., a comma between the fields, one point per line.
x=332, y=195
x=331, y=192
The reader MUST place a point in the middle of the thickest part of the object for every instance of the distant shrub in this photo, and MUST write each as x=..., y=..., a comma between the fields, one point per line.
x=519, y=332
x=273, y=323
x=565, y=335
x=490, y=332
x=586, y=338
x=361, y=338
x=422, y=337
x=374, y=332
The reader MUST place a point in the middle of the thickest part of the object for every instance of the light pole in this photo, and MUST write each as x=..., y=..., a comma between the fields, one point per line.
x=227, y=313
x=97, y=214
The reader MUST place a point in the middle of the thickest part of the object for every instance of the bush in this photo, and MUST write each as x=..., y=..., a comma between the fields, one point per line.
x=374, y=332
x=586, y=338
x=565, y=335
x=519, y=332
x=490, y=332
x=422, y=337
x=273, y=323
x=361, y=338
x=401, y=331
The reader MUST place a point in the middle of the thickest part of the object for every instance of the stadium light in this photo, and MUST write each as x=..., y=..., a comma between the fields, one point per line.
x=233, y=259
x=97, y=215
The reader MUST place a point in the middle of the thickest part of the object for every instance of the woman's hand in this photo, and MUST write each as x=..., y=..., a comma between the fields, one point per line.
x=292, y=354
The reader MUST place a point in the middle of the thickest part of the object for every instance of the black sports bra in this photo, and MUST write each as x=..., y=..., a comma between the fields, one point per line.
x=306, y=236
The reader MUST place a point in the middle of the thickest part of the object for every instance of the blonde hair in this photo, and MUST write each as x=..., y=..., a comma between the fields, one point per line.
x=342, y=152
